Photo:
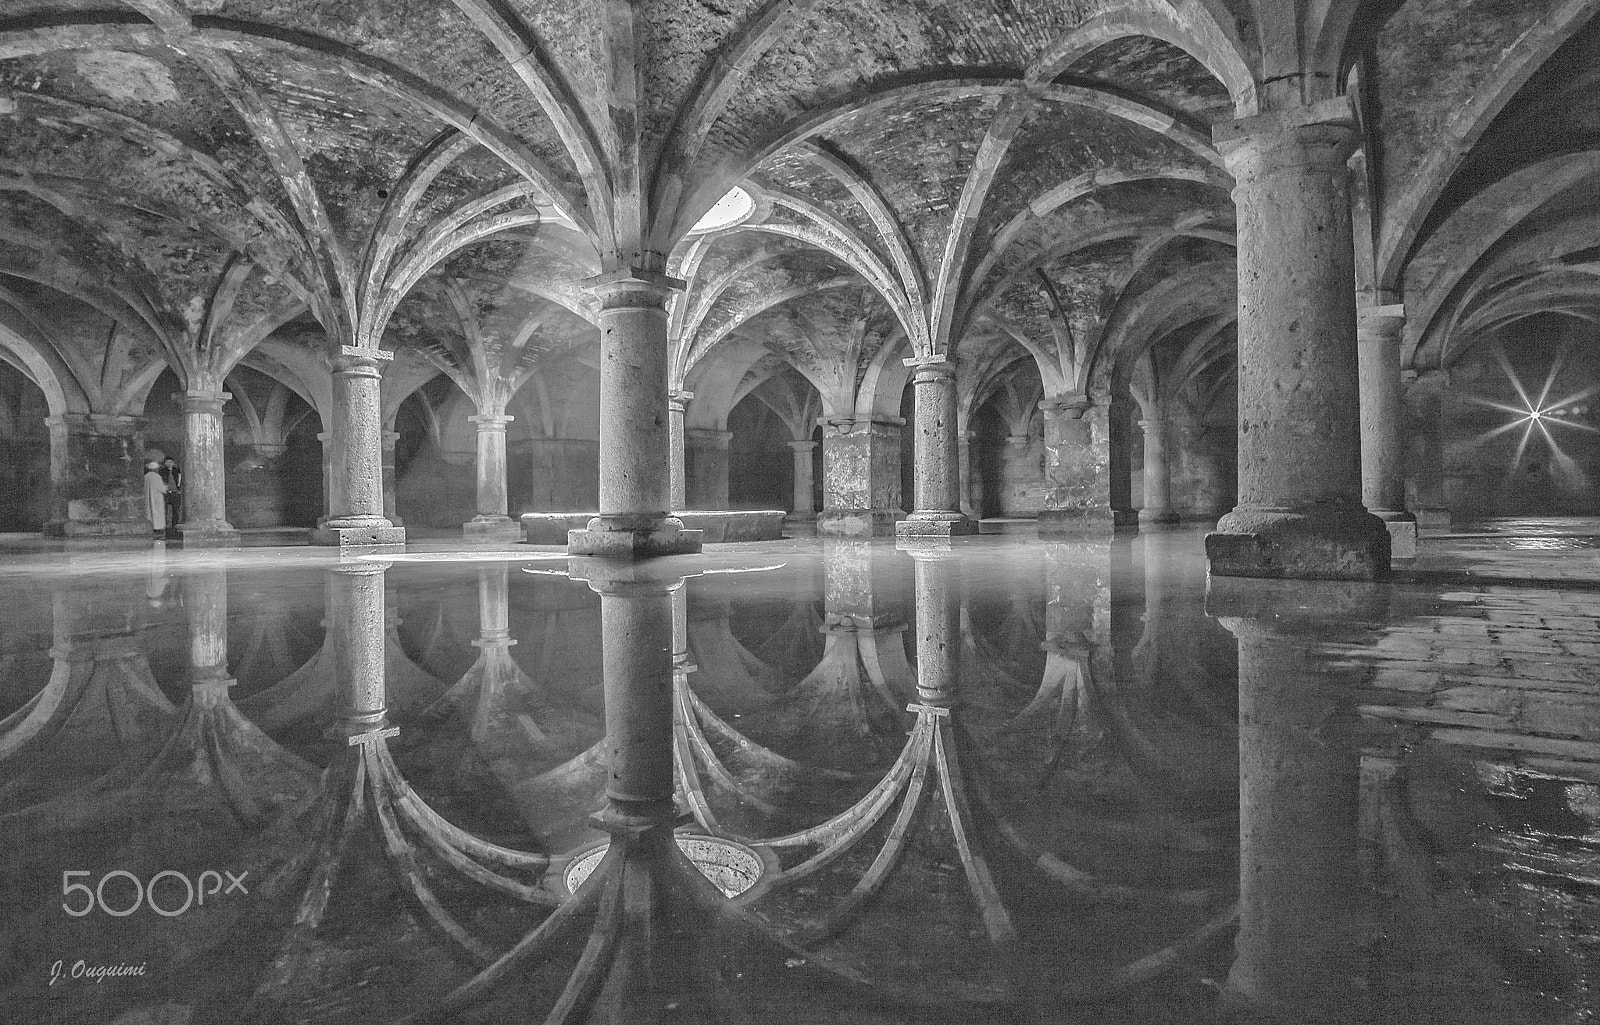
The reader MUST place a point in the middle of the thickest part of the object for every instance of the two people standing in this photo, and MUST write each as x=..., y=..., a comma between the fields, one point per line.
x=163, y=495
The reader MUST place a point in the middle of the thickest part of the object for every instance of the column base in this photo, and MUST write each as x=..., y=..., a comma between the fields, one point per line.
x=1157, y=517
x=858, y=522
x=1433, y=519
x=1336, y=542
x=1091, y=521
x=359, y=536
x=945, y=525
x=618, y=540
x=218, y=534
x=492, y=528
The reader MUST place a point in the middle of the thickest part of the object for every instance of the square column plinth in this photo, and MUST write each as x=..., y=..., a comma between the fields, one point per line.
x=351, y=537
x=613, y=540
x=492, y=528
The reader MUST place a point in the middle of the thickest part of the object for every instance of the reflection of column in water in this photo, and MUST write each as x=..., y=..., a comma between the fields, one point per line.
x=356, y=625
x=1300, y=946
x=938, y=596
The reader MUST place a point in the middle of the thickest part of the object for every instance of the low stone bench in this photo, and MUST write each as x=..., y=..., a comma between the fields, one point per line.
x=721, y=526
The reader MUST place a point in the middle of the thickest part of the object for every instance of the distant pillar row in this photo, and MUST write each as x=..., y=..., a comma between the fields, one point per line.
x=937, y=456
x=492, y=519
x=635, y=437
x=1157, y=473
x=1299, y=512
x=1425, y=410
x=355, y=491
x=860, y=476
x=205, y=473
x=677, y=404
x=1379, y=331
x=96, y=476
x=803, y=506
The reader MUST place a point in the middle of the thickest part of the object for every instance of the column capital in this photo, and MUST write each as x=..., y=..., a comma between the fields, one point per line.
x=491, y=421
x=677, y=400
x=198, y=401
x=633, y=288
x=361, y=361
x=705, y=437
x=1071, y=407
x=1375, y=323
x=113, y=424
x=932, y=368
x=1318, y=135
x=1424, y=380
x=802, y=446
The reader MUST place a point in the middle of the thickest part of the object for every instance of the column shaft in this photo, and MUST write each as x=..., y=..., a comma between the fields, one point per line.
x=676, y=405
x=860, y=477
x=205, y=474
x=635, y=439
x=390, y=440
x=937, y=457
x=494, y=504
x=1425, y=459
x=356, y=486
x=636, y=621
x=1299, y=511
x=707, y=470
x=1077, y=468
x=803, y=505
x=356, y=617
x=1157, y=474
x=97, y=476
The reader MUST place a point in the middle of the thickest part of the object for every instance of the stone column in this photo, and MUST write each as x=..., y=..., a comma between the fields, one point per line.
x=969, y=502
x=390, y=440
x=860, y=476
x=635, y=442
x=1301, y=950
x=1425, y=458
x=1157, y=474
x=804, y=505
x=677, y=403
x=1210, y=492
x=205, y=475
x=707, y=472
x=1077, y=468
x=325, y=439
x=97, y=476
x=355, y=501
x=936, y=453
x=1383, y=482
x=492, y=520
x=1299, y=512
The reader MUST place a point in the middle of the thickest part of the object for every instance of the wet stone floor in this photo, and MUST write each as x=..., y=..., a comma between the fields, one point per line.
x=802, y=781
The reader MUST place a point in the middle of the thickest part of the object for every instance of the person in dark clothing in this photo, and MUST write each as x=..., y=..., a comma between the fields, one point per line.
x=172, y=476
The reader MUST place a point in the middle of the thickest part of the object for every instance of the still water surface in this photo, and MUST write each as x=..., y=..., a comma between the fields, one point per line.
x=1011, y=781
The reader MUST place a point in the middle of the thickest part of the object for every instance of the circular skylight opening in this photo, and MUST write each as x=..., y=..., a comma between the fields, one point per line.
x=732, y=867
x=732, y=208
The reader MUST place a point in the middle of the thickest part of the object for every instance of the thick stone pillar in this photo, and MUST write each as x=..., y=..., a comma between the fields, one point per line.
x=205, y=475
x=706, y=457
x=1299, y=512
x=1208, y=486
x=1077, y=468
x=390, y=476
x=804, y=508
x=677, y=402
x=97, y=476
x=1301, y=949
x=635, y=440
x=937, y=455
x=1425, y=457
x=1157, y=474
x=205, y=605
x=492, y=520
x=356, y=488
x=1383, y=483
x=860, y=476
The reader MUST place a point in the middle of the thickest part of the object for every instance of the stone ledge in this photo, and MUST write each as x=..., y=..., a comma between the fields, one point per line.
x=712, y=526
x=914, y=528
x=505, y=529
x=858, y=522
